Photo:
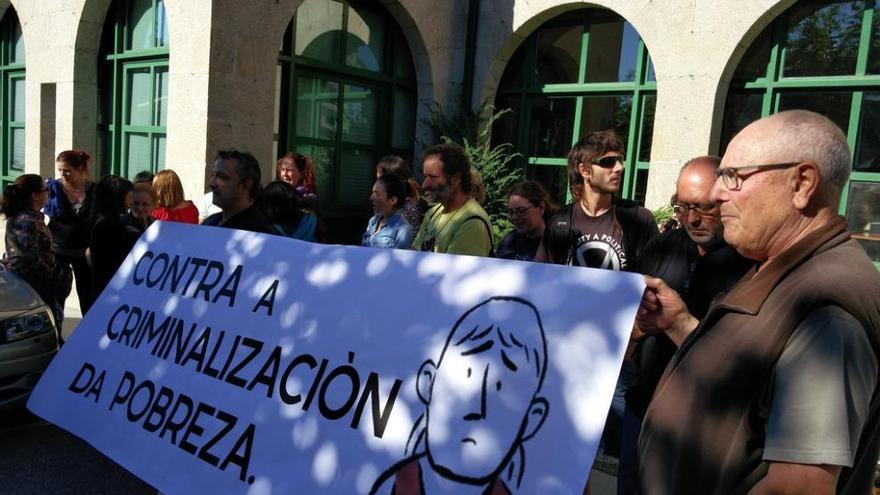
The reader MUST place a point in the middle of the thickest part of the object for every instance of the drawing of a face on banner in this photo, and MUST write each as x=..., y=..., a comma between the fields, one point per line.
x=481, y=403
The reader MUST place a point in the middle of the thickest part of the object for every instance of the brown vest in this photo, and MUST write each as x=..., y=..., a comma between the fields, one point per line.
x=703, y=433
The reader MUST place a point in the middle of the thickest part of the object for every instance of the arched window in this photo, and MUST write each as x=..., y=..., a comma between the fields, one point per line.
x=12, y=94
x=133, y=88
x=583, y=71
x=822, y=56
x=347, y=96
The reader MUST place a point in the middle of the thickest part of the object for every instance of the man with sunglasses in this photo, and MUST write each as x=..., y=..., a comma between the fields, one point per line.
x=774, y=390
x=598, y=230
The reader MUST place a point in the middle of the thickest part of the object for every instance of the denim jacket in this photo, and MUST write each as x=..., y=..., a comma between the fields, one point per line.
x=396, y=233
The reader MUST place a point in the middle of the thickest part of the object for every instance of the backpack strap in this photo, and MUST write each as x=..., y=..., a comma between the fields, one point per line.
x=558, y=236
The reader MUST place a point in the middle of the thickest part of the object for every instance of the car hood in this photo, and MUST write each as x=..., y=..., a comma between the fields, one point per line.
x=15, y=294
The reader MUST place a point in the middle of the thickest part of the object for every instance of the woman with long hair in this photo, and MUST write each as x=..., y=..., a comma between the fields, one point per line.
x=280, y=204
x=414, y=207
x=29, y=252
x=388, y=228
x=71, y=213
x=171, y=206
x=298, y=170
x=111, y=241
x=528, y=206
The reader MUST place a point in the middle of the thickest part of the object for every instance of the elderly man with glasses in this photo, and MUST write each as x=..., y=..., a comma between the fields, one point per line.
x=774, y=390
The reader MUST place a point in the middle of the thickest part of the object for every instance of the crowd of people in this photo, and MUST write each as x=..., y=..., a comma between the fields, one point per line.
x=754, y=358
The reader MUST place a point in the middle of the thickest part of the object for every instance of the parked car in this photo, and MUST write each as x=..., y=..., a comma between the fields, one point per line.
x=28, y=340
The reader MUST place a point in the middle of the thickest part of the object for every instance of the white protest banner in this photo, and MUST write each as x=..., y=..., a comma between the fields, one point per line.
x=221, y=361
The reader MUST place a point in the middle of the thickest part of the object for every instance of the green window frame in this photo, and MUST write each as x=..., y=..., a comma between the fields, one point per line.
x=822, y=56
x=12, y=96
x=632, y=96
x=133, y=79
x=342, y=111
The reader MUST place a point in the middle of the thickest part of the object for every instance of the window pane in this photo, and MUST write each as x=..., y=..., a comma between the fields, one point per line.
x=512, y=78
x=874, y=51
x=641, y=186
x=868, y=144
x=823, y=39
x=162, y=24
x=403, y=60
x=356, y=176
x=612, y=52
x=18, y=96
x=359, y=115
x=606, y=112
x=835, y=106
x=138, y=152
x=17, y=45
x=159, y=152
x=651, y=75
x=649, y=105
x=17, y=149
x=551, y=125
x=318, y=27
x=162, y=95
x=553, y=178
x=141, y=22
x=139, y=95
x=322, y=159
x=559, y=51
x=863, y=216
x=740, y=110
x=279, y=69
x=404, y=120
x=506, y=128
x=316, y=108
x=364, y=39
x=756, y=59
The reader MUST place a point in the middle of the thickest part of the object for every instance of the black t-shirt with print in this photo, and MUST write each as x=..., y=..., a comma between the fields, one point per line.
x=600, y=244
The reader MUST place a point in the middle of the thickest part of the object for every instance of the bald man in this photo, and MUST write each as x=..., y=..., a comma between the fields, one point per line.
x=773, y=391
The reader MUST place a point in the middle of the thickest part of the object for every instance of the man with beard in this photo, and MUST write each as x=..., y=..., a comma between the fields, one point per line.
x=456, y=223
x=598, y=230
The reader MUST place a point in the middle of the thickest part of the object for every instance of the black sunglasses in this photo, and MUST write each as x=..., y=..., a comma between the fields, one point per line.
x=610, y=161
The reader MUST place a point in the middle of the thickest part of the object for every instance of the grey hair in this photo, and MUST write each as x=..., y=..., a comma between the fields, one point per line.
x=809, y=136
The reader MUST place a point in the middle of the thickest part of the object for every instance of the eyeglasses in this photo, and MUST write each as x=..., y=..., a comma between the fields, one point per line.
x=684, y=209
x=518, y=212
x=733, y=177
x=610, y=161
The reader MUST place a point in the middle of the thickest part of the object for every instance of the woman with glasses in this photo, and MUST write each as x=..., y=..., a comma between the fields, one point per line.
x=528, y=204
x=29, y=252
x=388, y=228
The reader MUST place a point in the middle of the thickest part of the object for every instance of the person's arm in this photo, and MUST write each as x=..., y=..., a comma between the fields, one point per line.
x=797, y=479
x=663, y=311
x=822, y=387
x=403, y=236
